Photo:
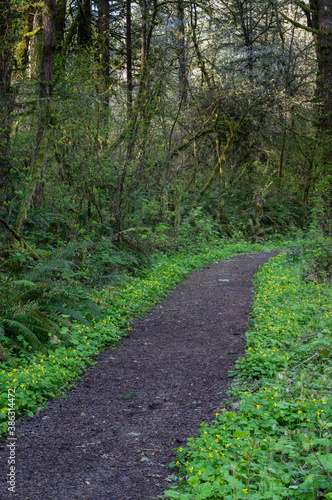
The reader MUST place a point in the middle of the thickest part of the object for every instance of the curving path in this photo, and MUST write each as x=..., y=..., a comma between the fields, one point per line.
x=113, y=437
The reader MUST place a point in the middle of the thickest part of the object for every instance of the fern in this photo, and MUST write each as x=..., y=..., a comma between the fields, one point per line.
x=16, y=329
x=31, y=313
x=5, y=356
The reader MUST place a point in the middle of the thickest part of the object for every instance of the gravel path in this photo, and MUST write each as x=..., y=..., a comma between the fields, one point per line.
x=112, y=438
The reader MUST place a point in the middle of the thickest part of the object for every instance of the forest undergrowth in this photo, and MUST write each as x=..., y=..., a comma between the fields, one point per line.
x=273, y=437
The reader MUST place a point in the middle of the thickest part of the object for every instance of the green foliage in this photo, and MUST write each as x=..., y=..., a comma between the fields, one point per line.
x=318, y=256
x=277, y=444
x=32, y=315
x=198, y=229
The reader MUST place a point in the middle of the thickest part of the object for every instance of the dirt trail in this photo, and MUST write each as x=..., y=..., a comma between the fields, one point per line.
x=113, y=437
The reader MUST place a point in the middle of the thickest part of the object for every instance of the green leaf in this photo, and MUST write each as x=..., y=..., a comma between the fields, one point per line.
x=241, y=434
x=172, y=494
x=203, y=491
x=326, y=461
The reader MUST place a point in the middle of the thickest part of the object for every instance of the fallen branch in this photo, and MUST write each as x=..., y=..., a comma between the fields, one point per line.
x=316, y=354
x=20, y=239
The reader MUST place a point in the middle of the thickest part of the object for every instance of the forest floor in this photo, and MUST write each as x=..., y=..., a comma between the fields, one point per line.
x=112, y=438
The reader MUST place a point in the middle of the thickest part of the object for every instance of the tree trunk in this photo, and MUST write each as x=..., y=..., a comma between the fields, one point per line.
x=46, y=77
x=35, y=45
x=143, y=36
x=144, y=62
x=22, y=49
x=60, y=23
x=6, y=41
x=104, y=56
x=129, y=63
x=84, y=25
x=324, y=54
x=138, y=108
x=182, y=55
x=48, y=49
x=201, y=62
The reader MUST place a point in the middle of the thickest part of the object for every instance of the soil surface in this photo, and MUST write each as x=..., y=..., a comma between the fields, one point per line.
x=112, y=438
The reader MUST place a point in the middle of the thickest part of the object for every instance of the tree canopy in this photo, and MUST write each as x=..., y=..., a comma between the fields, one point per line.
x=124, y=115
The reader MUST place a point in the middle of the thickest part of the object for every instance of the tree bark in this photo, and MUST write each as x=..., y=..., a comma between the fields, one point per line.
x=324, y=55
x=48, y=49
x=182, y=55
x=35, y=45
x=46, y=77
x=129, y=62
x=201, y=62
x=60, y=24
x=104, y=56
x=6, y=41
x=84, y=25
x=144, y=55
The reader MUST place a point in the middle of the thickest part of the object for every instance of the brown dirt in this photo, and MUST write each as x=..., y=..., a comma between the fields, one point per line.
x=113, y=437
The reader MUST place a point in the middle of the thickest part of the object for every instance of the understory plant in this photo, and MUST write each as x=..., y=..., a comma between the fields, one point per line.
x=33, y=314
x=273, y=439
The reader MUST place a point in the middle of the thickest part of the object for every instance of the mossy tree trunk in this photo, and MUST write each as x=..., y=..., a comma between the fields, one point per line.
x=6, y=41
x=46, y=116
x=129, y=68
x=104, y=49
x=182, y=54
x=324, y=55
x=84, y=33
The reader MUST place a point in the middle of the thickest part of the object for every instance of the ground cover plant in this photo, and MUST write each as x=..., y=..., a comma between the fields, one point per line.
x=40, y=375
x=273, y=439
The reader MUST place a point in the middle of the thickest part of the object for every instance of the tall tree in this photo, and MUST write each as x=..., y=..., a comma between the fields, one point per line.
x=182, y=54
x=45, y=94
x=129, y=60
x=319, y=22
x=144, y=54
x=60, y=23
x=84, y=33
x=6, y=41
x=104, y=46
x=324, y=57
x=36, y=43
x=48, y=49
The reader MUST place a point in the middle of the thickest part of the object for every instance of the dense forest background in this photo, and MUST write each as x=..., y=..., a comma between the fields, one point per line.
x=129, y=127
x=140, y=142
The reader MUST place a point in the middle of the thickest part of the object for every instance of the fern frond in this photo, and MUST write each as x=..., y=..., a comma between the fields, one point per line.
x=48, y=268
x=15, y=328
x=23, y=283
x=94, y=309
x=59, y=309
x=4, y=354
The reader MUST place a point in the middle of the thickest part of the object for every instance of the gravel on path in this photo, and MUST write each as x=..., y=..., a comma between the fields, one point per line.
x=112, y=438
